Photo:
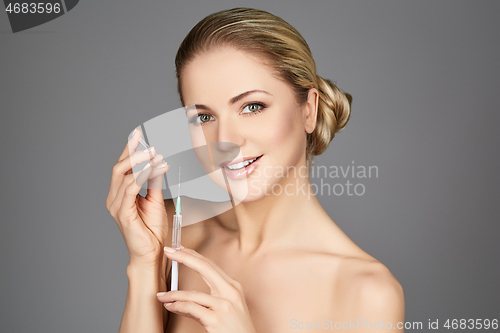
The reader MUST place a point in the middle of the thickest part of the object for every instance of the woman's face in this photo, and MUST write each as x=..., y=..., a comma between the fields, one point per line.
x=232, y=96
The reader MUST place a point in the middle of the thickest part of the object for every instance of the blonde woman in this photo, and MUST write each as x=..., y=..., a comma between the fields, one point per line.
x=276, y=262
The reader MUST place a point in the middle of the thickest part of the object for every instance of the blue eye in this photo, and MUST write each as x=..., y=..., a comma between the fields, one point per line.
x=253, y=108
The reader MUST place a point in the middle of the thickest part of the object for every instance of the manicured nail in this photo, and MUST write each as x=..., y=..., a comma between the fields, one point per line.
x=169, y=249
x=163, y=165
x=161, y=294
x=181, y=247
x=146, y=166
x=149, y=150
x=134, y=131
x=167, y=304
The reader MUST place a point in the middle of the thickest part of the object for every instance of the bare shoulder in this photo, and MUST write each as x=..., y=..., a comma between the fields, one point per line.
x=367, y=274
x=369, y=289
x=363, y=285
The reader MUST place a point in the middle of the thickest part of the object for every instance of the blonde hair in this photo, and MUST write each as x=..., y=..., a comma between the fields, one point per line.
x=265, y=34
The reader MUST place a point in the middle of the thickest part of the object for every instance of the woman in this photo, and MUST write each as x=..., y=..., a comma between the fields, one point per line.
x=276, y=262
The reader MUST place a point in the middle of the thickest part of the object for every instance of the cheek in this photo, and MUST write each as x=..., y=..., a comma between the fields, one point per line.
x=283, y=130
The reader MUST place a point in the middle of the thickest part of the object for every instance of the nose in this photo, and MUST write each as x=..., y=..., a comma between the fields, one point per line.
x=229, y=136
x=229, y=139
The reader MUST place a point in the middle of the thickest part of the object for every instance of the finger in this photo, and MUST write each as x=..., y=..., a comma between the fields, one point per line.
x=200, y=298
x=131, y=145
x=155, y=167
x=122, y=168
x=135, y=158
x=118, y=200
x=132, y=190
x=117, y=174
x=217, y=280
x=155, y=181
x=215, y=266
x=192, y=310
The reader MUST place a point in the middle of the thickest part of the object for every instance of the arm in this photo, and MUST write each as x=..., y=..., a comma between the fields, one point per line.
x=143, y=312
x=143, y=222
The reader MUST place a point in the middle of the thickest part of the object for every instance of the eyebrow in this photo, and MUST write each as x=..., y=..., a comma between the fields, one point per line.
x=240, y=96
x=231, y=101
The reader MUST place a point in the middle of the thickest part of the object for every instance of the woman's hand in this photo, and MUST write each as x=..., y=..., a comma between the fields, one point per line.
x=223, y=311
x=142, y=220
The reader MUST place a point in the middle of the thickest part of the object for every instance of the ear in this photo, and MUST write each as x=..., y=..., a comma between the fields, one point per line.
x=311, y=110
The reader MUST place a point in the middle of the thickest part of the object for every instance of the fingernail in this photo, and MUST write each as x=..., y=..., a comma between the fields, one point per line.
x=146, y=166
x=161, y=166
x=181, y=247
x=161, y=294
x=167, y=304
x=134, y=131
x=169, y=249
x=149, y=150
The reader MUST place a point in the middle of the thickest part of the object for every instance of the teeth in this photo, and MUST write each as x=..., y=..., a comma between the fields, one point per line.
x=240, y=165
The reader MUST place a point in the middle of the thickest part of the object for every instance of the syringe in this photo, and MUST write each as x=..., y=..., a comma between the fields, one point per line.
x=176, y=236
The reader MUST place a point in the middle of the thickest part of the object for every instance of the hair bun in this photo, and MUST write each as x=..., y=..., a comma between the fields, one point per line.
x=334, y=111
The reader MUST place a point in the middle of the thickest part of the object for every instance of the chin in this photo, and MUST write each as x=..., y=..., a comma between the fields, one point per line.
x=258, y=189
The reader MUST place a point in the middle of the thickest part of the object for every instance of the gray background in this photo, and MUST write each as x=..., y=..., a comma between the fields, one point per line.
x=425, y=80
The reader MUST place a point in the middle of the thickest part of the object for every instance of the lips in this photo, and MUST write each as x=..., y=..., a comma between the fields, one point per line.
x=239, y=163
x=240, y=168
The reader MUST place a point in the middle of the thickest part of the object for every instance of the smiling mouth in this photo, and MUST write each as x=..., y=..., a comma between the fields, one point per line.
x=242, y=165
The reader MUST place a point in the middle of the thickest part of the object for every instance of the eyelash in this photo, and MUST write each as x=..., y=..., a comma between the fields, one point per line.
x=262, y=106
x=193, y=119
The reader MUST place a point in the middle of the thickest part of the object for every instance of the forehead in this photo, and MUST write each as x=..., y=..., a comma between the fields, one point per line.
x=220, y=74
